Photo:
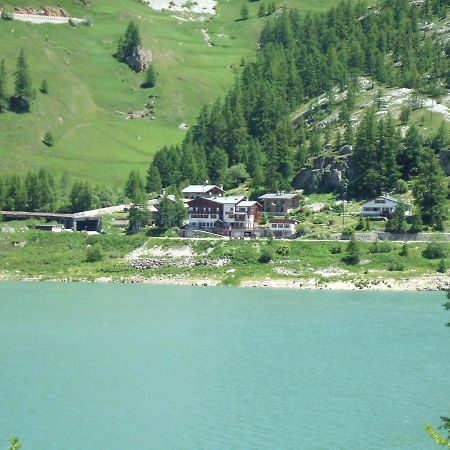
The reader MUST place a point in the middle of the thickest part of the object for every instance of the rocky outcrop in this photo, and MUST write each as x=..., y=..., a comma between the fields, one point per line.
x=140, y=60
x=325, y=173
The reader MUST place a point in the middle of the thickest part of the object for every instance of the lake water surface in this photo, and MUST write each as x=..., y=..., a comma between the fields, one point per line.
x=120, y=367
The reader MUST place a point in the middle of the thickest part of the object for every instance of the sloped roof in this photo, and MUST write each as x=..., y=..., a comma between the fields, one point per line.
x=247, y=203
x=199, y=188
x=279, y=195
x=230, y=199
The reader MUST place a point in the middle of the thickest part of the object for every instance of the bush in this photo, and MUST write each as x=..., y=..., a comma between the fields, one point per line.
x=404, y=250
x=380, y=247
x=283, y=249
x=352, y=253
x=336, y=250
x=94, y=253
x=442, y=267
x=265, y=255
x=48, y=139
x=435, y=250
x=395, y=265
x=6, y=15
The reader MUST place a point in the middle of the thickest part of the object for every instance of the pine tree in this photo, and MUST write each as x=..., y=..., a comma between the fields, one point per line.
x=261, y=10
x=430, y=193
x=44, y=87
x=129, y=43
x=244, y=12
x=3, y=95
x=134, y=187
x=153, y=179
x=24, y=94
x=150, y=77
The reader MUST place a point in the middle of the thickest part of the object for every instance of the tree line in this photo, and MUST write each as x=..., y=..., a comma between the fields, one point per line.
x=40, y=191
x=299, y=58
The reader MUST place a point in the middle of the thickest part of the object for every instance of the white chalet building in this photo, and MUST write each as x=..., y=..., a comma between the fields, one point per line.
x=202, y=190
x=383, y=206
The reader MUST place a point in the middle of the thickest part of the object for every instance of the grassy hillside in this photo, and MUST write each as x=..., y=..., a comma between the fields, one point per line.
x=88, y=89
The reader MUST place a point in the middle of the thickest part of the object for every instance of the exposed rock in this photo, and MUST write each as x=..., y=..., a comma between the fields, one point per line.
x=140, y=60
x=325, y=172
x=160, y=263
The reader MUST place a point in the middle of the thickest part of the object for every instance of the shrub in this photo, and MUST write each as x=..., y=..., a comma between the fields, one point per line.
x=435, y=250
x=48, y=139
x=94, y=253
x=352, y=252
x=442, y=267
x=283, y=249
x=380, y=247
x=404, y=250
x=6, y=15
x=336, y=250
x=395, y=265
x=265, y=255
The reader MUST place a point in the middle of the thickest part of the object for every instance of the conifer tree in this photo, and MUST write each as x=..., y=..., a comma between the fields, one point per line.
x=153, y=179
x=134, y=187
x=244, y=12
x=430, y=193
x=150, y=77
x=261, y=10
x=129, y=43
x=24, y=94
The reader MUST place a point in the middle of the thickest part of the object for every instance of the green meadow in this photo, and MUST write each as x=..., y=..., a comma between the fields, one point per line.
x=89, y=90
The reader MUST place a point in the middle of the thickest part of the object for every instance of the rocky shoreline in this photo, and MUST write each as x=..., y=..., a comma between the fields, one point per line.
x=421, y=283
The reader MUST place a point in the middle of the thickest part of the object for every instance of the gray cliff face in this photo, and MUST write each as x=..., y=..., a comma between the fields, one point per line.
x=325, y=173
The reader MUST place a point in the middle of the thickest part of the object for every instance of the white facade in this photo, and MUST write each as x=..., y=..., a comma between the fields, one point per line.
x=382, y=206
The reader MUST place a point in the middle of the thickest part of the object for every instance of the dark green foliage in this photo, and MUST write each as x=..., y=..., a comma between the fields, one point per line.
x=404, y=115
x=302, y=56
x=150, y=77
x=139, y=215
x=94, y=253
x=24, y=94
x=3, y=94
x=352, y=252
x=380, y=247
x=430, y=192
x=153, y=180
x=129, y=43
x=244, y=12
x=44, y=87
x=134, y=187
x=81, y=197
x=404, y=250
x=261, y=10
x=48, y=139
x=435, y=250
x=283, y=249
x=416, y=223
x=442, y=266
x=397, y=223
x=266, y=255
x=336, y=250
x=170, y=213
x=395, y=264
x=235, y=175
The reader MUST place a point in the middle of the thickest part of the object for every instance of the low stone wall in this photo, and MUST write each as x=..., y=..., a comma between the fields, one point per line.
x=37, y=18
x=182, y=263
x=407, y=237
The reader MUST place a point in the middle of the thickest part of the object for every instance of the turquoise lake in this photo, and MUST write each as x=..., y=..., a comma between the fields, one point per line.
x=120, y=367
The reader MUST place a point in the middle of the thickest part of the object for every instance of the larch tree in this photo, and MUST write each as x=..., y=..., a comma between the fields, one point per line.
x=24, y=94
